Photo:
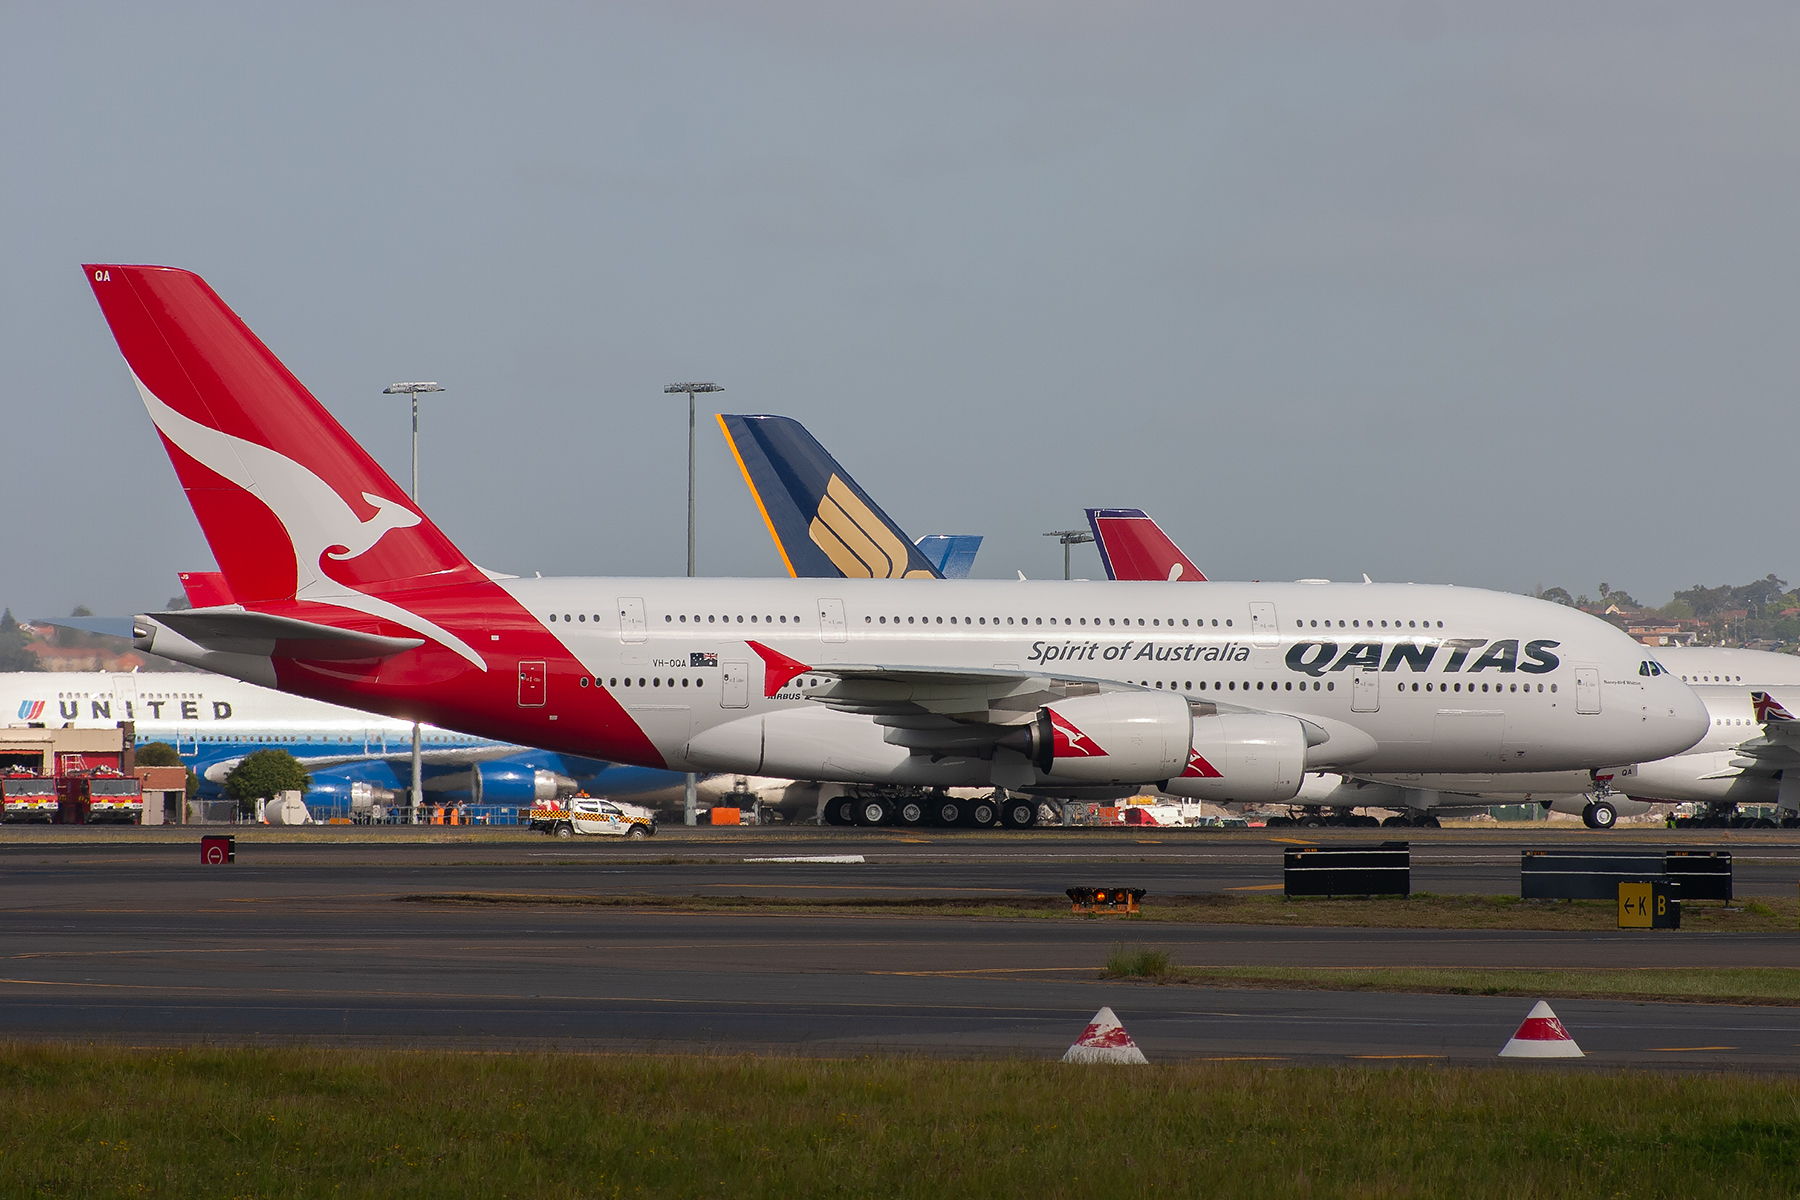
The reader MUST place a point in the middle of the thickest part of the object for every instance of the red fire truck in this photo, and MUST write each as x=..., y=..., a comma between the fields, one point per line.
x=99, y=794
x=27, y=796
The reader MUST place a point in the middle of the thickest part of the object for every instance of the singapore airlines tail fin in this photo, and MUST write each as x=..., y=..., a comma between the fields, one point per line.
x=292, y=507
x=1133, y=546
x=824, y=525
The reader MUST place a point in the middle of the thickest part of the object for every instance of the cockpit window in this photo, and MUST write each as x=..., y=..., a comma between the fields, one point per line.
x=1647, y=667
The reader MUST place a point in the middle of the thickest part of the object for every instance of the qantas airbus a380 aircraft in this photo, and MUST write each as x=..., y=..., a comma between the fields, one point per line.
x=347, y=593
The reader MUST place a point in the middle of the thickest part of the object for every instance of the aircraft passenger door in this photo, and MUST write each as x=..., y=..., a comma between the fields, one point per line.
x=832, y=626
x=533, y=684
x=631, y=619
x=187, y=739
x=1587, y=689
x=1265, y=629
x=735, y=682
x=1365, y=691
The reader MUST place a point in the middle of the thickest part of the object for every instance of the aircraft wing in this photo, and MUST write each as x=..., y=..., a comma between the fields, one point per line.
x=1777, y=749
x=953, y=708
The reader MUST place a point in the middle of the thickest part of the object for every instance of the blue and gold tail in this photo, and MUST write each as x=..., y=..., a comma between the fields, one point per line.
x=824, y=525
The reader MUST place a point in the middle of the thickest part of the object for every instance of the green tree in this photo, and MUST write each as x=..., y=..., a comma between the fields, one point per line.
x=158, y=754
x=13, y=654
x=1678, y=610
x=1557, y=595
x=161, y=754
x=264, y=775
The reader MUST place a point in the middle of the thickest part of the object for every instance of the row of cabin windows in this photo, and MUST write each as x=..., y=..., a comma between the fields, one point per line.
x=672, y=618
x=766, y=620
x=1711, y=678
x=1097, y=622
x=658, y=681
x=1368, y=624
x=323, y=739
x=1330, y=686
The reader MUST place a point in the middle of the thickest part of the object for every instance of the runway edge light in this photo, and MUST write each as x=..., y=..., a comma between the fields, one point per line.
x=1105, y=1041
x=1541, y=1035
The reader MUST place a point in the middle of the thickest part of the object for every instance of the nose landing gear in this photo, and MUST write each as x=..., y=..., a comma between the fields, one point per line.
x=1599, y=814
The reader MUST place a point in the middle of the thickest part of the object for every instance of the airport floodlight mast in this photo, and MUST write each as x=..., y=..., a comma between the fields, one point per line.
x=690, y=389
x=418, y=755
x=1069, y=537
x=413, y=390
x=690, y=805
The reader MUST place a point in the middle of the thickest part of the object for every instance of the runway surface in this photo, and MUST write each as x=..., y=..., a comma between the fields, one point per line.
x=896, y=863
x=129, y=938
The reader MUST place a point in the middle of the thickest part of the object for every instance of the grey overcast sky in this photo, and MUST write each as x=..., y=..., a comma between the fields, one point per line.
x=1496, y=295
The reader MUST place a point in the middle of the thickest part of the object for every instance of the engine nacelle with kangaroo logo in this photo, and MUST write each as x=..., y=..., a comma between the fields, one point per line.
x=1113, y=737
x=1252, y=758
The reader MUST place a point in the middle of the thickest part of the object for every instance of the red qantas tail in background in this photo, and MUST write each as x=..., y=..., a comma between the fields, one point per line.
x=292, y=507
x=1134, y=547
x=206, y=589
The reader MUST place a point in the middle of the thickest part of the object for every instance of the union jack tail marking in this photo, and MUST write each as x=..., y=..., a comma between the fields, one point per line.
x=1768, y=709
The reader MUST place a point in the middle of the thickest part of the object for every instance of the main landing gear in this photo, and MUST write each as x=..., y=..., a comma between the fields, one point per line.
x=919, y=808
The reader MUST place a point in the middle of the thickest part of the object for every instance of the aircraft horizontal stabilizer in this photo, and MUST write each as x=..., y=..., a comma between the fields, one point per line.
x=233, y=630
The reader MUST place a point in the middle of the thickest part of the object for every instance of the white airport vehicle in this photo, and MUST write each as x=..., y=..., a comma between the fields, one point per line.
x=1228, y=691
x=593, y=816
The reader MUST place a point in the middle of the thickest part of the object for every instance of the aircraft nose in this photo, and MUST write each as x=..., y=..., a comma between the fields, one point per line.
x=1687, y=720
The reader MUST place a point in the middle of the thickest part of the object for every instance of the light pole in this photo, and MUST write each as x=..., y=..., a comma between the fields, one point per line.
x=418, y=754
x=1070, y=537
x=690, y=802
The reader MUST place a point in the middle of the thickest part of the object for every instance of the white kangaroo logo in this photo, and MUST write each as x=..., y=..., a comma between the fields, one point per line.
x=319, y=523
x=1078, y=741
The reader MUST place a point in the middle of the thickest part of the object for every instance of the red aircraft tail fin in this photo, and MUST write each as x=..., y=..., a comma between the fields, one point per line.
x=1133, y=546
x=206, y=589
x=292, y=507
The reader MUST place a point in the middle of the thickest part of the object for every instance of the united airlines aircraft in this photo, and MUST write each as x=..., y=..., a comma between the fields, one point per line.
x=356, y=760
x=346, y=592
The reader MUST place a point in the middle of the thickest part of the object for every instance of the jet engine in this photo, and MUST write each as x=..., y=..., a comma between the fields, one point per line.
x=1250, y=758
x=1112, y=737
x=510, y=783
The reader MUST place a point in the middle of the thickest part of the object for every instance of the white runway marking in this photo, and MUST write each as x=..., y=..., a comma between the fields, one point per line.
x=814, y=858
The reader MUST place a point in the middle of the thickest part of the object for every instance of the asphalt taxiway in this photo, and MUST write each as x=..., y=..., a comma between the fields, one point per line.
x=129, y=938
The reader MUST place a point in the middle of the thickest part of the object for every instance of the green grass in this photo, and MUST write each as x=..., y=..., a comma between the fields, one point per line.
x=1422, y=911
x=1729, y=985
x=97, y=1122
x=1137, y=962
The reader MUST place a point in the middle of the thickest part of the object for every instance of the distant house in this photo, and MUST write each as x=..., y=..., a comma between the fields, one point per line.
x=102, y=654
x=1661, y=634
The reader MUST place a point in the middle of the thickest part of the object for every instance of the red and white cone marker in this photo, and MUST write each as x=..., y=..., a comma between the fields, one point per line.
x=1105, y=1041
x=1541, y=1036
